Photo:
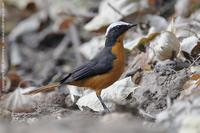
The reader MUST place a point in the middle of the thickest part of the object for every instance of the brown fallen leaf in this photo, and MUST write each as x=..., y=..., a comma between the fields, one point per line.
x=15, y=80
x=64, y=23
x=137, y=77
x=190, y=47
x=196, y=77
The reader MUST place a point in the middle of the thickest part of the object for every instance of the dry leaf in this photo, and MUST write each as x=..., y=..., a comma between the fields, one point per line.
x=195, y=77
x=167, y=46
x=15, y=81
x=195, y=69
x=153, y=21
x=115, y=93
x=91, y=48
x=17, y=102
x=191, y=45
x=63, y=24
x=107, y=15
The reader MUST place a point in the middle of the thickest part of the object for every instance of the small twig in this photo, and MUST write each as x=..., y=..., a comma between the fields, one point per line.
x=116, y=10
x=146, y=115
x=195, y=34
x=79, y=15
x=61, y=47
x=57, y=53
x=76, y=43
x=45, y=32
x=194, y=61
x=169, y=101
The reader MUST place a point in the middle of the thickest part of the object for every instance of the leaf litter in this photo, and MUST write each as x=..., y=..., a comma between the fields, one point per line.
x=158, y=91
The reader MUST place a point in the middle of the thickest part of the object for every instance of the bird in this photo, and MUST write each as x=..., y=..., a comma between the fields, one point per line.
x=101, y=71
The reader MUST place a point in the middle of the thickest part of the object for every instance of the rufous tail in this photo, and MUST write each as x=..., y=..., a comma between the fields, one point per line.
x=49, y=87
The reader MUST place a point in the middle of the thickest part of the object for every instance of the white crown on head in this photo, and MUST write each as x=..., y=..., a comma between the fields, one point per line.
x=115, y=24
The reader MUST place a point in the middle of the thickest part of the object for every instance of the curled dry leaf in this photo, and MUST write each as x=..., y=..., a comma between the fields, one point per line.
x=167, y=46
x=153, y=21
x=63, y=23
x=149, y=24
x=107, y=15
x=17, y=102
x=13, y=79
x=75, y=93
x=190, y=46
x=195, y=76
x=185, y=27
x=117, y=92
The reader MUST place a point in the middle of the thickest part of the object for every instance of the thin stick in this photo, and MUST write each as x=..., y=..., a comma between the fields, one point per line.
x=116, y=10
x=76, y=43
x=61, y=47
x=56, y=55
x=194, y=61
x=195, y=34
x=80, y=15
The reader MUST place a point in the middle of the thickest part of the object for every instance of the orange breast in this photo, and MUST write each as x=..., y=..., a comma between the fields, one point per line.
x=102, y=81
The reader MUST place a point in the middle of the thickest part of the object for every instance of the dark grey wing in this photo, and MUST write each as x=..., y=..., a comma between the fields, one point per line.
x=99, y=65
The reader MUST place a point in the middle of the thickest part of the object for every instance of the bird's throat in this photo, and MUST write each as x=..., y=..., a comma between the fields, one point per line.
x=118, y=51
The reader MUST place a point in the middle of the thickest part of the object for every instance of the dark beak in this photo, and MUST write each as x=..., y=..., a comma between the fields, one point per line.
x=131, y=25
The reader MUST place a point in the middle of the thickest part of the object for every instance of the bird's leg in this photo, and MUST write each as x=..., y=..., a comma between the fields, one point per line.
x=98, y=93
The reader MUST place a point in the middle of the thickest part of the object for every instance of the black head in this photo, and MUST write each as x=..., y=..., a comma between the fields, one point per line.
x=115, y=30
